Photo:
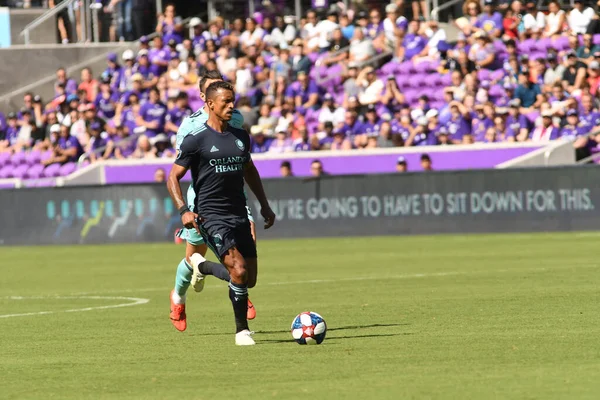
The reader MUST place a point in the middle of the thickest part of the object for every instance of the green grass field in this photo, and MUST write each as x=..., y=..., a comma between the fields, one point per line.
x=439, y=317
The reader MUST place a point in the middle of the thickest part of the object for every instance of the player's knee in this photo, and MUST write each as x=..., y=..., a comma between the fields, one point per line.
x=251, y=282
x=238, y=271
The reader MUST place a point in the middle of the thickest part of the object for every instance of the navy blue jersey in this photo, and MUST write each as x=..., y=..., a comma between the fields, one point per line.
x=217, y=162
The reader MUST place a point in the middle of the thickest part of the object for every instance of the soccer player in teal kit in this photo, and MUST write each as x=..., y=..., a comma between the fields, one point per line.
x=218, y=156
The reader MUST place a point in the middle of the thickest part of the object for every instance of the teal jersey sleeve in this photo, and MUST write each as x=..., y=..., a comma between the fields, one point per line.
x=237, y=120
x=190, y=125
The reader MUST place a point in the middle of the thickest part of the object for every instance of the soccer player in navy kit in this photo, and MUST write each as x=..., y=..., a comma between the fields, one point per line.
x=219, y=157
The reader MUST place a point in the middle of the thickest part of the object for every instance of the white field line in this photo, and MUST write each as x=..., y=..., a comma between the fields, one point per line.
x=131, y=301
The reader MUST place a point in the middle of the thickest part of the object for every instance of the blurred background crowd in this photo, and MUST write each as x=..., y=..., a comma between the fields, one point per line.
x=338, y=77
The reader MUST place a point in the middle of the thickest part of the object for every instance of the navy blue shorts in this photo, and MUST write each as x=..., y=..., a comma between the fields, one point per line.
x=224, y=233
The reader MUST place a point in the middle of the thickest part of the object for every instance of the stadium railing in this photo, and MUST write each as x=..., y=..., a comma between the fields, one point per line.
x=49, y=14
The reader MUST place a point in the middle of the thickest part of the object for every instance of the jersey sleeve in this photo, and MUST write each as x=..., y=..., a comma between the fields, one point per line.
x=188, y=152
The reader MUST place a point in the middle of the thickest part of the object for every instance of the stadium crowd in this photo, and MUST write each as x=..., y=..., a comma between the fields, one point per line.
x=344, y=79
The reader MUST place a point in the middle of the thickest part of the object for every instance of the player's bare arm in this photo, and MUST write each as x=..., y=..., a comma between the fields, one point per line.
x=188, y=218
x=252, y=178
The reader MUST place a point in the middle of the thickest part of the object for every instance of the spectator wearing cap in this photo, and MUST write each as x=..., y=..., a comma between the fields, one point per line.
x=323, y=31
x=443, y=138
x=100, y=147
x=546, y=131
x=169, y=25
x=329, y=112
x=260, y=142
x=113, y=70
x=11, y=132
x=490, y=20
x=574, y=74
x=66, y=149
x=574, y=129
x=517, y=124
x=555, y=20
x=421, y=135
x=127, y=70
x=554, y=70
x=361, y=47
x=580, y=17
x=284, y=31
x=412, y=44
x=401, y=165
x=426, y=164
x=394, y=25
x=27, y=127
x=527, y=92
x=106, y=101
x=483, y=53
x=162, y=146
x=152, y=114
x=135, y=95
x=175, y=115
x=593, y=79
x=433, y=122
x=196, y=34
x=144, y=68
x=371, y=88
x=371, y=121
x=534, y=21
x=435, y=37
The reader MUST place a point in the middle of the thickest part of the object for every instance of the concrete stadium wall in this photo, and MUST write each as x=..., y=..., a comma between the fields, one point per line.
x=514, y=200
x=45, y=33
x=32, y=68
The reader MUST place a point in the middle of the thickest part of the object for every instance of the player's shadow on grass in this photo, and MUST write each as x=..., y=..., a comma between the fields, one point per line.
x=330, y=339
x=342, y=328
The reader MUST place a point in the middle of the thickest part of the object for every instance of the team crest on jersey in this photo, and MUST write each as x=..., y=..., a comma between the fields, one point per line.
x=218, y=239
x=239, y=144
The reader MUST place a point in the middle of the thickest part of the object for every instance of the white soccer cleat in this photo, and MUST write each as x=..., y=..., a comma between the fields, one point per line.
x=197, y=281
x=244, y=338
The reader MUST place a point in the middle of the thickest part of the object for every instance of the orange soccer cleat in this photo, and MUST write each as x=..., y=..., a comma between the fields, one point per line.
x=251, y=314
x=178, y=315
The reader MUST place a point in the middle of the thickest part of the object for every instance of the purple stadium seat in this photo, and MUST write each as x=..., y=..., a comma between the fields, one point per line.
x=532, y=116
x=423, y=67
x=33, y=157
x=447, y=80
x=596, y=39
x=313, y=57
x=525, y=46
x=46, y=155
x=483, y=74
x=405, y=68
x=51, y=171
x=35, y=171
x=389, y=68
x=20, y=171
x=497, y=75
x=4, y=158
x=18, y=158
x=496, y=91
x=6, y=172
x=499, y=46
x=67, y=169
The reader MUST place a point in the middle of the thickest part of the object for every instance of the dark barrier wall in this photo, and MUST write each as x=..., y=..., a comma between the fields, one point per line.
x=550, y=199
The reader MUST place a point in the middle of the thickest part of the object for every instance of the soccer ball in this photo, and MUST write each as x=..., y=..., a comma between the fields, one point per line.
x=309, y=328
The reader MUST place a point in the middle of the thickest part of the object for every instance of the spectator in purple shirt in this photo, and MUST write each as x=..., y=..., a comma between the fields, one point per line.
x=66, y=149
x=480, y=123
x=575, y=131
x=517, y=125
x=457, y=126
x=412, y=44
x=303, y=142
x=260, y=143
x=152, y=114
x=100, y=147
x=124, y=144
x=10, y=133
x=69, y=84
x=375, y=26
x=304, y=92
x=589, y=115
x=159, y=57
x=106, y=101
x=169, y=25
x=352, y=126
x=282, y=143
x=175, y=116
x=422, y=136
x=197, y=36
x=490, y=21
x=114, y=71
x=144, y=68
